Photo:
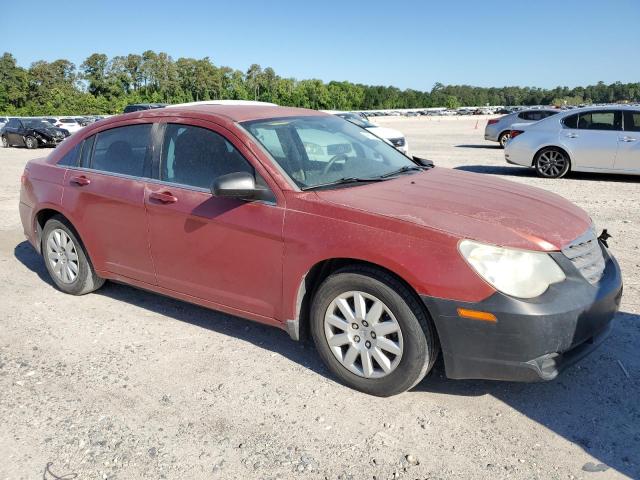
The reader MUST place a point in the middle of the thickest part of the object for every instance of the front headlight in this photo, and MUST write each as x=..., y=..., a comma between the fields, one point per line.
x=519, y=273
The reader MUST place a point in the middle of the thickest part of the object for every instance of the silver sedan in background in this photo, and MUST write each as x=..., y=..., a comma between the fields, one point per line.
x=592, y=139
x=497, y=129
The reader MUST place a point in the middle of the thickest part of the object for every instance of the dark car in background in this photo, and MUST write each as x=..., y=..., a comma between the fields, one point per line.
x=134, y=107
x=31, y=133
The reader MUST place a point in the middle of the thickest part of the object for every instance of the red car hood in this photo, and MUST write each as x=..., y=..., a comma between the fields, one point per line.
x=469, y=205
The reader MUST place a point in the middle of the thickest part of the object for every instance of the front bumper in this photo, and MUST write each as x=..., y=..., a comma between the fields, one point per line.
x=532, y=339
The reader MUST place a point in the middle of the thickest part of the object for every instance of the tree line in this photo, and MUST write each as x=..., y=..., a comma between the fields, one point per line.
x=103, y=85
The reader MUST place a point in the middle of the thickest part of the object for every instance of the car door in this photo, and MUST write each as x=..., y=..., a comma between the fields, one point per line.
x=105, y=193
x=593, y=144
x=222, y=250
x=628, y=158
x=13, y=131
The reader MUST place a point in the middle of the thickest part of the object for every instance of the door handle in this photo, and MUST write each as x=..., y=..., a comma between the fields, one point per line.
x=571, y=135
x=627, y=139
x=80, y=180
x=163, y=197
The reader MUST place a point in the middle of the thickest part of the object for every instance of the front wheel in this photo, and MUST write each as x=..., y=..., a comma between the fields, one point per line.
x=31, y=142
x=372, y=332
x=66, y=259
x=5, y=141
x=552, y=163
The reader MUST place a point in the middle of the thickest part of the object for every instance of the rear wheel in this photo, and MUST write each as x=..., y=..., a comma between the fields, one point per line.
x=66, y=259
x=552, y=163
x=372, y=332
x=504, y=138
x=31, y=142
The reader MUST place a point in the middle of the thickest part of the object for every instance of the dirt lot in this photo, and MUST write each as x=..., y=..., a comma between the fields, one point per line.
x=127, y=384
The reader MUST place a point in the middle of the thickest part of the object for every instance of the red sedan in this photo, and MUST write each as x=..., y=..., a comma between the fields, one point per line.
x=304, y=221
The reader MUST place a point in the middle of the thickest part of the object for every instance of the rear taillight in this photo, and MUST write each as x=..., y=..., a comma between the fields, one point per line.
x=492, y=121
x=515, y=133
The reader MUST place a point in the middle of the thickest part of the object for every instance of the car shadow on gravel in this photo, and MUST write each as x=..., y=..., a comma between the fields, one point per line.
x=593, y=404
x=263, y=336
x=490, y=147
x=529, y=172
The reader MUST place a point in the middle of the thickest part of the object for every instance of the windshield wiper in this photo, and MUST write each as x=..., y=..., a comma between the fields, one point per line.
x=343, y=181
x=406, y=168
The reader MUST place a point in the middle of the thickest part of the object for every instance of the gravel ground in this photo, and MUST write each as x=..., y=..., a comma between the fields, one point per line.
x=127, y=384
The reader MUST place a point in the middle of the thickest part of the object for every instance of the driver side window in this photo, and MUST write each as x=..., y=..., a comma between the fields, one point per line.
x=195, y=156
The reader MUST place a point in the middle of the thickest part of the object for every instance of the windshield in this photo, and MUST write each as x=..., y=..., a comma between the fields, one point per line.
x=317, y=150
x=36, y=124
x=356, y=120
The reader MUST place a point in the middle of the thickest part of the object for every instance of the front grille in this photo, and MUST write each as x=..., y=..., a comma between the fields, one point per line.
x=397, y=142
x=586, y=254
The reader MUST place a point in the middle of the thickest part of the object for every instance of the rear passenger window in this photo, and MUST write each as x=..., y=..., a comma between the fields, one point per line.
x=600, y=120
x=123, y=150
x=196, y=156
x=70, y=158
x=632, y=121
x=571, y=121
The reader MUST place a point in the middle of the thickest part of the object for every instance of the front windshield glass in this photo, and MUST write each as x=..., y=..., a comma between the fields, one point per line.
x=317, y=150
x=356, y=120
x=28, y=123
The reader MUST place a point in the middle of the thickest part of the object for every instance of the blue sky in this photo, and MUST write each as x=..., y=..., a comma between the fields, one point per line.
x=409, y=44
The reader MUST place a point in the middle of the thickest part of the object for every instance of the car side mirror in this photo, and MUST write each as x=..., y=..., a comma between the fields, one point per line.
x=423, y=162
x=240, y=185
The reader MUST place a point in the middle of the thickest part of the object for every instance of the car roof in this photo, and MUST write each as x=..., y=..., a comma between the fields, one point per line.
x=235, y=113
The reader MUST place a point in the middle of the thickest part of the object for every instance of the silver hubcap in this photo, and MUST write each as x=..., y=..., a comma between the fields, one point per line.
x=551, y=163
x=363, y=334
x=30, y=142
x=62, y=256
x=504, y=139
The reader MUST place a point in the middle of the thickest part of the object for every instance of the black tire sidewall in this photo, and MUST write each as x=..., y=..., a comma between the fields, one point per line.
x=501, y=137
x=562, y=173
x=84, y=269
x=416, y=357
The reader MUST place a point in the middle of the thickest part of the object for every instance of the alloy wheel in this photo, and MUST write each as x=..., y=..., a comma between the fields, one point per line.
x=62, y=256
x=551, y=163
x=504, y=139
x=363, y=334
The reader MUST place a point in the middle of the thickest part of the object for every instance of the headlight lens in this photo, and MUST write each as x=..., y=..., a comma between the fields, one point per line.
x=519, y=273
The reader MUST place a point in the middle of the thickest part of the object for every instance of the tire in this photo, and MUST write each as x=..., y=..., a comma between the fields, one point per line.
x=415, y=337
x=60, y=260
x=31, y=142
x=5, y=142
x=504, y=138
x=552, y=163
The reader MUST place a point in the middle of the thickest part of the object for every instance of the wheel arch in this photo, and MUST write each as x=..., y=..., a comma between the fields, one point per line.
x=43, y=215
x=298, y=327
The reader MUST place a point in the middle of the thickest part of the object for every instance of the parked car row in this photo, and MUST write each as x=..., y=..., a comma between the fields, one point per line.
x=34, y=132
x=31, y=133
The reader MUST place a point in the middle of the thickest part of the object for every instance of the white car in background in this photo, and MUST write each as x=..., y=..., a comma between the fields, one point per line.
x=394, y=137
x=69, y=124
x=592, y=139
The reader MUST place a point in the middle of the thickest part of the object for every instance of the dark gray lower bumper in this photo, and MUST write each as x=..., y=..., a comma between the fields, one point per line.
x=532, y=339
